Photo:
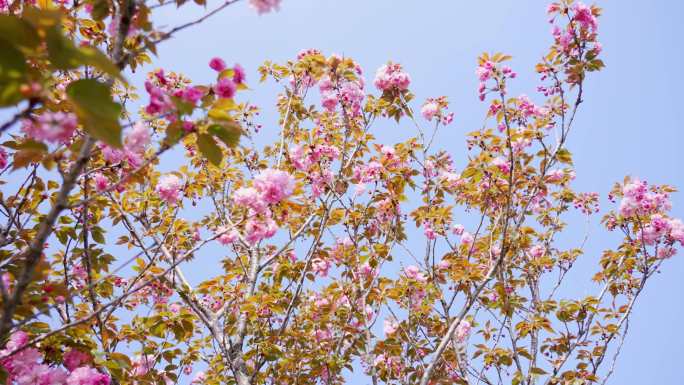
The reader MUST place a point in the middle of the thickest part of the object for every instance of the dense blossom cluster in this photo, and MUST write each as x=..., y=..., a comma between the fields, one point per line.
x=646, y=206
x=53, y=127
x=391, y=76
x=25, y=368
x=270, y=186
x=168, y=188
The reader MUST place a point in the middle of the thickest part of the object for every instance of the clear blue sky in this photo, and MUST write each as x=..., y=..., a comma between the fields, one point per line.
x=630, y=122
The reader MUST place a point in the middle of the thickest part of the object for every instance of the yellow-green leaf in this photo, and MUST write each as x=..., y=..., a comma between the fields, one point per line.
x=209, y=148
x=96, y=110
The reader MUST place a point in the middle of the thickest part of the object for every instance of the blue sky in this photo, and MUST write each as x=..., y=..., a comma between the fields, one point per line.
x=630, y=123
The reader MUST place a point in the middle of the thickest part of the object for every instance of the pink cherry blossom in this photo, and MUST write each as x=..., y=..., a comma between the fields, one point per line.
x=391, y=76
x=217, y=64
x=225, y=88
x=390, y=326
x=239, y=75
x=257, y=229
x=429, y=110
x=168, y=188
x=142, y=365
x=584, y=16
x=3, y=158
x=536, y=251
x=160, y=102
x=274, y=185
x=429, y=231
x=75, y=358
x=413, y=272
x=190, y=94
x=87, y=376
x=265, y=6
x=467, y=238
x=329, y=100
x=138, y=138
x=249, y=197
x=53, y=127
x=227, y=236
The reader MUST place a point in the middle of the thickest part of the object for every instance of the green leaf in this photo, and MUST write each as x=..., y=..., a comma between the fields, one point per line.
x=96, y=110
x=30, y=144
x=564, y=156
x=18, y=31
x=12, y=74
x=228, y=133
x=42, y=18
x=62, y=52
x=174, y=132
x=209, y=149
x=100, y=9
x=12, y=62
x=65, y=55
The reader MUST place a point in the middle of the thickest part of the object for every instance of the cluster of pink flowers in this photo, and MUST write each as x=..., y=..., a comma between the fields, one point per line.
x=348, y=92
x=24, y=368
x=638, y=199
x=303, y=160
x=433, y=108
x=659, y=227
x=257, y=229
x=648, y=203
x=189, y=94
x=269, y=187
x=537, y=251
x=583, y=26
x=274, y=185
x=265, y=6
x=369, y=172
x=133, y=151
x=413, y=272
x=160, y=102
x=488, y=70
x=101, y=182
x=168, y=188
x=584, y=16
x=53, y=127
x=227, y=236
x=391, y=76
x=226, y=87
x=430, y=109
x=467, y=238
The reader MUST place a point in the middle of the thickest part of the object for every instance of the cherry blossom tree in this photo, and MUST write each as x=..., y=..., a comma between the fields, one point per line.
x=317, y=277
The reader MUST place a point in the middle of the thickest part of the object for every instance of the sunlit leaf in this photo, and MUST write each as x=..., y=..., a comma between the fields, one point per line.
x=96, y=110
